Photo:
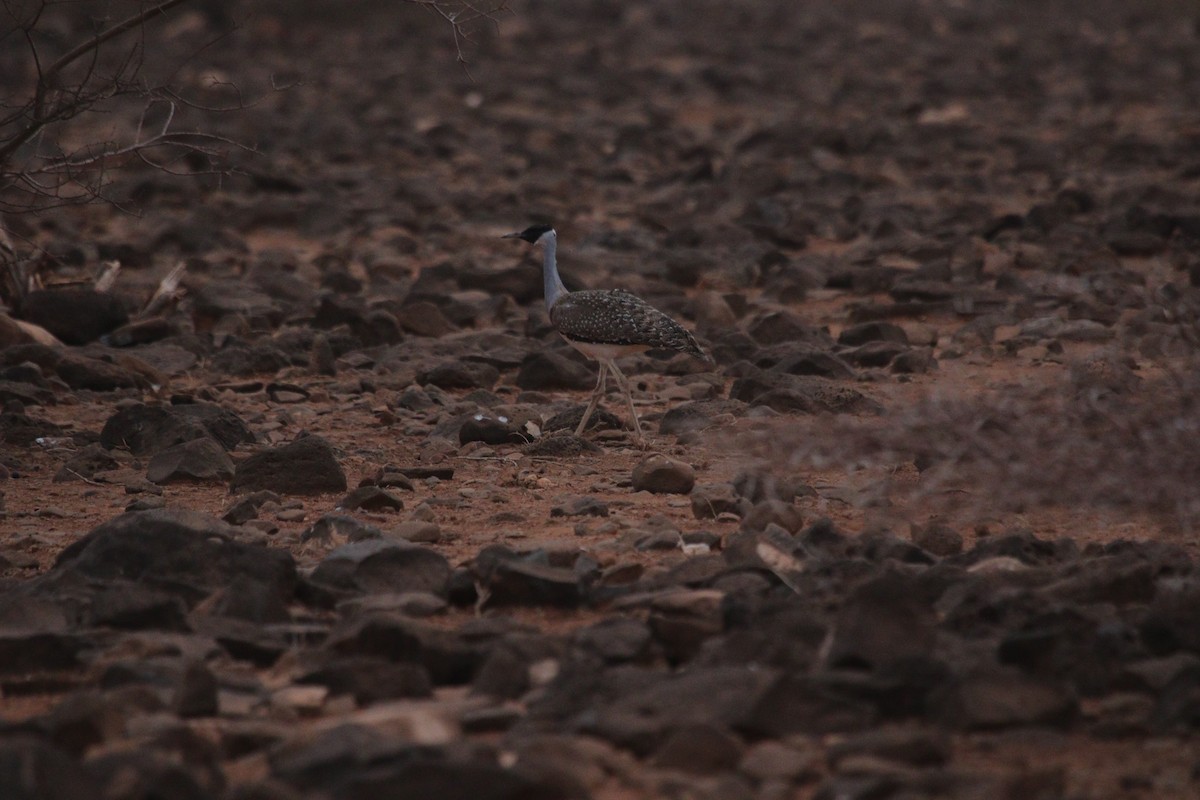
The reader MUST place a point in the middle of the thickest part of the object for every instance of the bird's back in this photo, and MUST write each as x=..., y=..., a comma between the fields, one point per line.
x=616, y=317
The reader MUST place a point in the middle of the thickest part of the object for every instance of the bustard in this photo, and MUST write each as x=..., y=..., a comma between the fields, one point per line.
x=604, y=324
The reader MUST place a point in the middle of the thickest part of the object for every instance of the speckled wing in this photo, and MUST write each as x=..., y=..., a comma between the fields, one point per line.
x=619, y=318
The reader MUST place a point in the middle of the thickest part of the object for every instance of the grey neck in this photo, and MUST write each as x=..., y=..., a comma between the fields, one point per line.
x=550, y=280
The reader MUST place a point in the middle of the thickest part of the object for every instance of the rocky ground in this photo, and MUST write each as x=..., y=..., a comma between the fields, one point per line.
x=318, y=528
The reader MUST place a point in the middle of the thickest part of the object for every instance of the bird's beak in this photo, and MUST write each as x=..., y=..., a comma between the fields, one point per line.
x=516, y=235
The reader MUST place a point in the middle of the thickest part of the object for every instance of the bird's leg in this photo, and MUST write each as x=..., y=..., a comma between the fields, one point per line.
x=623, y=382
x=596, y=393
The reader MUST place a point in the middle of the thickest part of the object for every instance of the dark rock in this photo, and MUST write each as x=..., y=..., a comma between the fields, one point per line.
x=306, y=466
x=461, y=375
x=882, y=622
x=448, y=657
x=246, y=508
x=378, y=565
x=87, y=718
x=417, y=777
x=794, y=703
x=424, y=319
x=75, y=316
x=14, y=394
x=146, y=430
x=174, y=548
x=248, y=600
x=661, y=475
x=547, y=370
x=226, y=427
x=506, y=673
x=23, y=431
x=81, y=372
x=807, y=360
x=196, y=460
x=371, y=498
x=1177, y=708
x=1063, y=643
x=195, y=692
x=617, y=640
x=84, y=465
x=34, y=769
x=523, y=583
x=1172, y=621
x=787, y=326
x=35, y=651
x=639, y=708
x=134, y=607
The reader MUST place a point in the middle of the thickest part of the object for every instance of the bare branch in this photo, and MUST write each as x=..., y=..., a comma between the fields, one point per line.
x=93, y=44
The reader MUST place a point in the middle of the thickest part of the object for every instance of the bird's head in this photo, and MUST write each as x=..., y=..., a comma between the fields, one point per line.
x=534, y=234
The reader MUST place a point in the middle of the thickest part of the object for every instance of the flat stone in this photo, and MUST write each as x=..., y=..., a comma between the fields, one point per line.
x=306, y=466
x=198, y=460
x=176, y=547
x=379, y=565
